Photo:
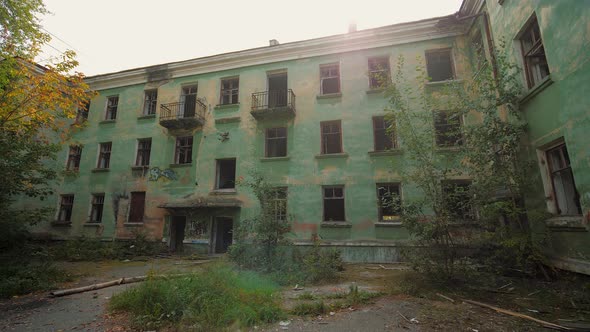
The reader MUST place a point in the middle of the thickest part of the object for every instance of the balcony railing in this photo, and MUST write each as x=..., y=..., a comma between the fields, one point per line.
x=183, y=115
x=273, y=103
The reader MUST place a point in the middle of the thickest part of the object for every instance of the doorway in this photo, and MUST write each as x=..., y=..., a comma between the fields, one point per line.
x=177, y=226
x=277, y=90
x=222, y=236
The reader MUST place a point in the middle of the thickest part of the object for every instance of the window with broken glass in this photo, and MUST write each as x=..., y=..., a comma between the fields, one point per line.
x=112, y=105
x=65, y=208
x=330, y=79
x=439, y=65
x=97, y=208
x=82, y=114
x=184, y=150
x=331, y=137
x=276, y=142
x=379, y=72
x=278, y=203
x=389, y=199
x=447, y=128
x=104, y=155
x=74, y=157
x=565, y=193
x=137, y=207
x=226, y=174
x=150, y=102
x=333, y=197
x=383, y=134
x=144, y=147
x=458, y=200
x=229, y=91
x=533, y=52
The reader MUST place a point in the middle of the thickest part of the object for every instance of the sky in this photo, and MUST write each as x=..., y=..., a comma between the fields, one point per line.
x=114, y=35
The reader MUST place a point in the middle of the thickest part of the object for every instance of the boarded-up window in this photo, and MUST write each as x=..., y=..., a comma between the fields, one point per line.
x=379, y=73
x=184, y=150
x=226, y=174
x=383, y=134
x=229, y=91
x=97, y=208
x=74, y=158
x=276, y=142
x=330, y=79
x=144, y=147
x=458, y=200
x=447, y=128
x=112, y=105
x=334, y=203
x=331, y=137
x=439, y=64
x=104, y=155
x=150, y=102
x=562, y=179
x=65, y=208
x=389, y=200
x=533, y=52
x=137, y=207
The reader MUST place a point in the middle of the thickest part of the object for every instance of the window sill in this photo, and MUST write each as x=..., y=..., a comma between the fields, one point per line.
x=329, y=95
x=139, y=168
x=226, y=106
x=92, y=224
x=265, y=159
x=181, y=165
x=386, y=153
x=228, y=120
x=567, y=223
x=100, y=170
x=61, y=223
x=335, y=224
x=223, y=192
x=107, y=121
x=547, y=81
x=146, y=116
x=331, y=155
x=373, y=91
x=445, y=82
x=389, y=224
x=133, y=224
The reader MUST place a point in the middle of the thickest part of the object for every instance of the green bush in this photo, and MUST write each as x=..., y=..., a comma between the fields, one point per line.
x=314, y=308
x=92, y=249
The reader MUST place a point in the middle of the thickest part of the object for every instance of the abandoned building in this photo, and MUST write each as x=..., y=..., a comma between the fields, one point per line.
x=165, y=146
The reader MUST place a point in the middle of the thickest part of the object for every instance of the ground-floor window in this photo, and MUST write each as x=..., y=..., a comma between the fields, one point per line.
x=389, y=199
x=566, y=196
x=334, y=203
x=458, y=199
x=137, y=207
x=65, y=208
x=97, y=207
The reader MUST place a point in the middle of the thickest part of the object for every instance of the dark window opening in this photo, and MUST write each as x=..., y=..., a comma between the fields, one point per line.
x=74, y=158
x=229, y=91
x=277, y=90
x=137, y=207
x=226, y=174
x=276, y=142
x=389, y=200
x=65, y=208
x=331, y=137
x=447, y=128
x=184, y=150
x=104, y=155
x=384, y=135
x=533, y=52
x=97, y=207
x=144, y=147
x=112, y=105
x=334, y=203
x=330, y=79
x=82, y=114
x=379, y=72
x=188, y=100
x=150, y=102
x=566, y=195
x=439, y=65
x=278, y=204
x=458, y=200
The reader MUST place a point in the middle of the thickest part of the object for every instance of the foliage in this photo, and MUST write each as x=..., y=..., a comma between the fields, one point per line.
x=213, y=299
x=313, y=309
x=320, y=265
x=92, y=249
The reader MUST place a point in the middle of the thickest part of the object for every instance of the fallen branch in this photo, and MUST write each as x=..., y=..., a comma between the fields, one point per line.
x=404, y=317
x=516, y=314
x=445, y=297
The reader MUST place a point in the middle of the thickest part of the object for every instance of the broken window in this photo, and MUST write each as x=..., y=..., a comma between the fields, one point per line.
x=65, y=208
x=379, y=73
x=229, y=91
x=276, y=142
x=104, y=155
x=184, y=150
x=97, y=207
x=112, y=104
x=383, y=134
x=533, y=52
x=144, y=147
x=137, y=207
x=447, y=128
x=188, y=101
x=439, y=65
x=389, y=199
x=226, y=174
x=334, y=203
x=458, y=200
x=331, y=137
x=74, y=156
x=330, y=79
x=150, y=102
x=278, y=203
x=82, y=114
x=566, y=195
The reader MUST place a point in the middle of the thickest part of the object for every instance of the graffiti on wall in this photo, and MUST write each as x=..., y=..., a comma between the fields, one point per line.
x=156, y=173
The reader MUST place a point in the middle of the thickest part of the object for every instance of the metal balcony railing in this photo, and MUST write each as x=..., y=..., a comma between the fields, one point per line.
x=183, y=110
x=275, y=99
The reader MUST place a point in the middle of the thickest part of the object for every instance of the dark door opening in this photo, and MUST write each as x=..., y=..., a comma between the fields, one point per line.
x=277, y=90
x=223, y=234
x=177, y=226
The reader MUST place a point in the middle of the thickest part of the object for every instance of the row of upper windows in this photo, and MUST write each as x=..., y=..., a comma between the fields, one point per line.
x=439, y=65
x=447, y=130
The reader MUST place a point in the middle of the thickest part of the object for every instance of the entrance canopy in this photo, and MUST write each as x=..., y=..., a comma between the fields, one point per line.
x=203, y=203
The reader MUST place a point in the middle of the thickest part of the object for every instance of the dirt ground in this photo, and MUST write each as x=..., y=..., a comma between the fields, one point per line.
x=393, y=311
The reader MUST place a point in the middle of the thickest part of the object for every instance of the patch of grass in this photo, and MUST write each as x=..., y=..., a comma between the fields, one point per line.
x=92, y=249
x=306, y=296
x=313, y=308
x=214, y=299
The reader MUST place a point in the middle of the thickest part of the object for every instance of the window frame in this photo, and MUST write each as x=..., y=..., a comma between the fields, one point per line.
x=131, y=208
x=279, y=204
x=459, y=141
x=323, y=146
x=218, y=174
x=448, y=50
x=391, y=136
x=103, y=154
x=324, y=198
x=562, y=148
x=373, y=71
x=150, y=106
x=142, y=151
x=267, y=140
x=74, y=158
x=380, y=208
x=111, y=108
x=82, y=114
x=537, y=45
x=233, y=91
x=66, y=203
x=96, y=204
x=328, y=67
x=178, y=146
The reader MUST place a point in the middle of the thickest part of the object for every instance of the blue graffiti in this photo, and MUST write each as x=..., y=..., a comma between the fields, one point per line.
x=156, y=173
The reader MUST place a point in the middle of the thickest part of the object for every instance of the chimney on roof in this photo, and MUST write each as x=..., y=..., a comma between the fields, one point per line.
x=273, y=42
x=352, y=27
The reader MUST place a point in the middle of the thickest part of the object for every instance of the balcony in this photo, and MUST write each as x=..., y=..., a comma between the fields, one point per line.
x=187, y=114
x=270, y=104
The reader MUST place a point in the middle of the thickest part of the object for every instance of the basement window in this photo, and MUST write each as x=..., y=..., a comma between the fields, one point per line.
x=379, y=72
x=112, y=105
x=104, y=155
x=330, y=79
x=74, y=157
x=226, y=174
x=150, y=102
x=229, y=91
x=65, y=208
x=137, y=207
x=184, y=150
x=144, y=147
x=439, y=65
x=533, y=53
x=562, y=179
x=276, y=142
x=389, y=199
x=447, y=128
x=458, y=200
x=97, y=208
x=331, y=137
x=278, y=203
x=383, y=134
x=334, y=203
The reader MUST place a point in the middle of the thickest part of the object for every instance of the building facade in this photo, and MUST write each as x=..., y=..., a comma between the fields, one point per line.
x=165, y=147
